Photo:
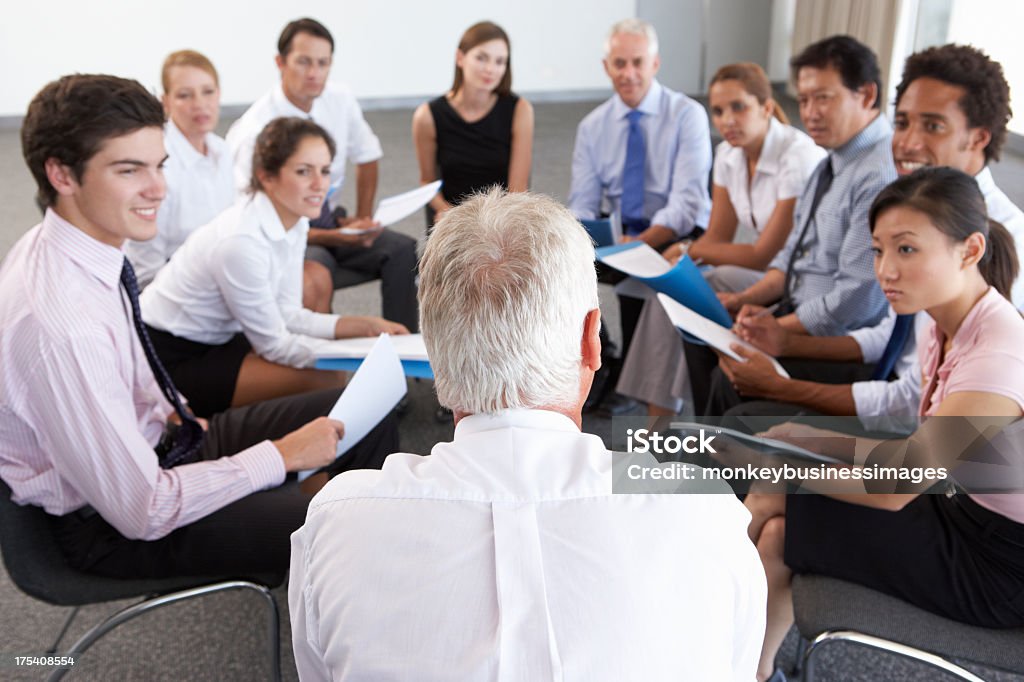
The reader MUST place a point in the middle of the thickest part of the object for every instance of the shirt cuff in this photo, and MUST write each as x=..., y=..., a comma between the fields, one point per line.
x=263, y=464
x=323, y=325
x=865, y=397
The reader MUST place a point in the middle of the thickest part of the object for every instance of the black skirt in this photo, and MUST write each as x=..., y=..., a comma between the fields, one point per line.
x=947, y=555
x=206, y=375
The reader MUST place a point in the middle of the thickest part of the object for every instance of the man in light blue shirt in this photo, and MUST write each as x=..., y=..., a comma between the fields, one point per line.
x=677, y=144
x=645, y=155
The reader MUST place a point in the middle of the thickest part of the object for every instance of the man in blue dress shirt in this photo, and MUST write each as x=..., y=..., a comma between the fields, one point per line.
x=645, y=155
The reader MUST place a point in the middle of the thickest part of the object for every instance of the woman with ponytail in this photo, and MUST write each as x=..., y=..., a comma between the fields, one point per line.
x=760, y=169
x=960, y=556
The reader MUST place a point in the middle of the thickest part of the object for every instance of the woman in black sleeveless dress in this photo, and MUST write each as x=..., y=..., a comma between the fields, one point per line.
x=479, y=133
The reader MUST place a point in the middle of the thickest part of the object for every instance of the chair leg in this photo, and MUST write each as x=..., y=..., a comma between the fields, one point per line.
x=63, y=630
x=883, y=645
x=130, y=612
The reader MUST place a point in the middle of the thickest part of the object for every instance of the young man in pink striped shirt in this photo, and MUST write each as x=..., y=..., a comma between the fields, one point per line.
x=86, y=428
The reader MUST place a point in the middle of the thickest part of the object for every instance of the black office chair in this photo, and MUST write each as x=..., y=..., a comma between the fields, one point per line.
x=829, y=610
x=37, y=566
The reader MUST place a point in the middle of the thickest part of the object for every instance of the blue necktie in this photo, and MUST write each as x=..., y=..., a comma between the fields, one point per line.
x=632, y=204
x=189, y=436
x=894, y=348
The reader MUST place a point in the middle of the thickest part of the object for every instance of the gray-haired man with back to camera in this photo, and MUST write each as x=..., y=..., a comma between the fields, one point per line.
x=517, y=561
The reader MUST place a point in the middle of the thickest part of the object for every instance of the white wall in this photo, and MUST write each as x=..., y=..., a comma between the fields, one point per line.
x=385, y=48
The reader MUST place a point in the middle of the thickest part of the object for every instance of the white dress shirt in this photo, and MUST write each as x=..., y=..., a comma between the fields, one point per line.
x=80, y=410
x=241, y=273
x=678, y=143
x=788, y=157
x=902, y=396
x=505, y=556
x=336, y=110
x=199, y=187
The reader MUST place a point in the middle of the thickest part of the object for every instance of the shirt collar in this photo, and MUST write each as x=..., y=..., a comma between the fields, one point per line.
x=537, y=420
x=102, y=261
x=284, y=107
x=986, y=183
x=270, y=222
x=768, y=161
x=179, y=147
x=971, y=326
x=874, y=132
x=648, y=105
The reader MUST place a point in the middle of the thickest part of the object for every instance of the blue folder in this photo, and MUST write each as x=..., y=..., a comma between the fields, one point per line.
x=684, y=283
x=419, y=369
x=600, y=230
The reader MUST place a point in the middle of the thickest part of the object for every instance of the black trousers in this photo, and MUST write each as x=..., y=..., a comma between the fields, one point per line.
x=245, y=538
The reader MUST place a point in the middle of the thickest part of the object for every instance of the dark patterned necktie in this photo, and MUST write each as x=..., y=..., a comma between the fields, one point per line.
x=824, y=182
x=189, y=436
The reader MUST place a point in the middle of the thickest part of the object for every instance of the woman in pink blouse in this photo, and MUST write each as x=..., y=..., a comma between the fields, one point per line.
x=960, y=556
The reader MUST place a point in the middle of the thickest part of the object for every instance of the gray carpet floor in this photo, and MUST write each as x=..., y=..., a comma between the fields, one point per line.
x=222, y=637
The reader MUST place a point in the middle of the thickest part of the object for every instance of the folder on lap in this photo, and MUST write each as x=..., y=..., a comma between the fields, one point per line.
x=348, y=354
x=683, y=282
x=604, y=231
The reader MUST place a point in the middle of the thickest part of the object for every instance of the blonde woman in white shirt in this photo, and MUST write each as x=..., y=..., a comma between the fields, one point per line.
x=198, y=169
x=760, y=169
x=226, y=314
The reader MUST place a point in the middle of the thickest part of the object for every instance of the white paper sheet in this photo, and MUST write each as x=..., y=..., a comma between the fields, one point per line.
x=373, y=392
x=639, y=261
x=391, y=210
x=714, y=334
x=407, y=346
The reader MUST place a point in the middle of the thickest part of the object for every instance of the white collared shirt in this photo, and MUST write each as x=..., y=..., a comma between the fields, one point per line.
x=336, y=110
x=505, y=556
x=788, y=157
x=198, y=188
x=241, y=273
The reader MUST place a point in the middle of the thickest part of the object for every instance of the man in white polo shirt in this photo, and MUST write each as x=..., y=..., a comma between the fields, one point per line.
x=333, y=260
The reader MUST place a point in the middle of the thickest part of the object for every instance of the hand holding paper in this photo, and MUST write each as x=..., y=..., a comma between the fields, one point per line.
x=714, y=334
x=372, y=393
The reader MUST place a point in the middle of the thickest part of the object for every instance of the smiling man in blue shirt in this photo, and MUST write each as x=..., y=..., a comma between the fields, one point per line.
x=675, y=158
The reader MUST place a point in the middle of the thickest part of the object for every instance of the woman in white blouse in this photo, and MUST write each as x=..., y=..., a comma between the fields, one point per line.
x=226, y=314
x=199, y=166
x=760, y=169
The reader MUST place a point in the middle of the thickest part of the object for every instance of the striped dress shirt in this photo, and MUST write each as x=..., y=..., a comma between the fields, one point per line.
x=833, y=284
x=80, y=410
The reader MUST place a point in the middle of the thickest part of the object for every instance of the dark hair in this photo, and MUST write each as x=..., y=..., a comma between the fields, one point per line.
x=477, y=34
x=856, y=63
x=278, y=141
x=754, y=80
x=986, y=98
x=304, y=25
x=70, y=119
x=956, y=207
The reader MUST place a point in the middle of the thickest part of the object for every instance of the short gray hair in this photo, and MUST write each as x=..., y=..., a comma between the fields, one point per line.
x=506, y=282
x=636, y=27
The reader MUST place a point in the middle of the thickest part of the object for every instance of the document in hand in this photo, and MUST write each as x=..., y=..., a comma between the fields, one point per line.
x=391, y=210
x=348, y=354
x=374, y=390
x=761, y=445
x=682, y=281
x=714, y=334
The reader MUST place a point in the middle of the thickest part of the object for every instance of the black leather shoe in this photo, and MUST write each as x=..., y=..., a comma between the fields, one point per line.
x=442, y=415
x=599, y=389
